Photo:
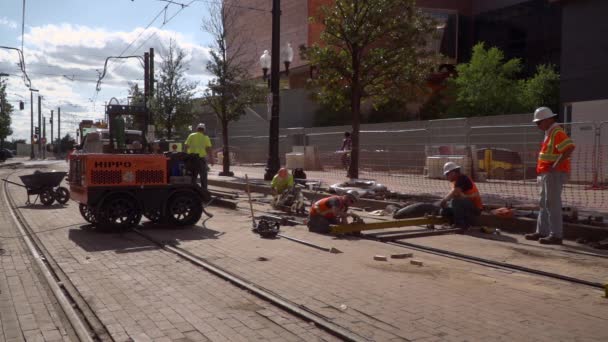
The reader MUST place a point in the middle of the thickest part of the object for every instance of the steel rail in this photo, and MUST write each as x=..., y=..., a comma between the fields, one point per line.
x=498, y=264
x=84, y=322
x=261, y=292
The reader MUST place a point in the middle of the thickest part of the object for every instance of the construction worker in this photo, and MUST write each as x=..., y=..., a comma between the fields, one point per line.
x=552, y=167
x=281, y=181
x=463, y=202
x=331, y=210
x=199, y=143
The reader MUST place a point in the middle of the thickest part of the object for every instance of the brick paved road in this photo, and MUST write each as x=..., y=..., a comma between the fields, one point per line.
x=27, y=307
x=143, y=293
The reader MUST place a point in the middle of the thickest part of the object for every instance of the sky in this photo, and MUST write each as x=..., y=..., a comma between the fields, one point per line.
x=66, y=42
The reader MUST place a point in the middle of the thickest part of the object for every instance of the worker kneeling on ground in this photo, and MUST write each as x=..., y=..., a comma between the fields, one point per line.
x=280, y=183
x=331, y=210
x=463, y=203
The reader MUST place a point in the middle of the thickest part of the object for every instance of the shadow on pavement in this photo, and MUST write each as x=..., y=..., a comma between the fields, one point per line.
x=39, y=206
x=93, y=239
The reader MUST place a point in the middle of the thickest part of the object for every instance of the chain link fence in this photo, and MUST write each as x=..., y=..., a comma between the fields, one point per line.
x=500, y=157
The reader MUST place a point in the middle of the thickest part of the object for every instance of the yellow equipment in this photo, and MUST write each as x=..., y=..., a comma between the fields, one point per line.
x=356, y=227
x=500, y=163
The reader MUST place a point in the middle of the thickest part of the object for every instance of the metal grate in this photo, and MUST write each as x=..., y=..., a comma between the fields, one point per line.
x=106, y=177
x=74, y=176
x=149, y=176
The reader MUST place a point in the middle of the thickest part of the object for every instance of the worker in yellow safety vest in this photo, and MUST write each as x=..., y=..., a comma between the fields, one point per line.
x=552, y=168
x=463, y=203
x=331, y=210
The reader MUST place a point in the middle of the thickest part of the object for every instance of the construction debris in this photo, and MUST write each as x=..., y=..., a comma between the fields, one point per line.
x=402, y=256
x=380, y=258
x=366, y=188
x=417, y=210
x=416, y=262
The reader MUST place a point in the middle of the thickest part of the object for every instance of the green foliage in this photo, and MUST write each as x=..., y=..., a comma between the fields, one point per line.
x=173, y=105
x=487, y=85
x=385, y=55
x=541, y=90
x=6, y=109
x=373, y=50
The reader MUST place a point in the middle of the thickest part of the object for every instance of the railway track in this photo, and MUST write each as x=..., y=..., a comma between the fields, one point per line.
x=83, y=320
x=485, y=261
x=89, y=327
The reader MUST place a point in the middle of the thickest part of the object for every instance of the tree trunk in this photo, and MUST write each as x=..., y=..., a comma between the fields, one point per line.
x=355, y=105
x=168, y=127
x=225, y=150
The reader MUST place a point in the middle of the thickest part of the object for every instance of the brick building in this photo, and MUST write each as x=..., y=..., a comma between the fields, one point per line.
x=536, y=31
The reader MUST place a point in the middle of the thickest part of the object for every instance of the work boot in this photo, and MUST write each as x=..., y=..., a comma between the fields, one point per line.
x=550, y=240
x=533, y=236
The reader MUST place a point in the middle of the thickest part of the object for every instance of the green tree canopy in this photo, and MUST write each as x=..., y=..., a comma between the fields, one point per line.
x=6, y=109
x=173, y=106
x=541, y=90
x=487, y=84
x=231, y=91
x=375, y=50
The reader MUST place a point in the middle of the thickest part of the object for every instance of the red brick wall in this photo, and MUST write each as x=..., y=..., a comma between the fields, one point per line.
x=256, y=28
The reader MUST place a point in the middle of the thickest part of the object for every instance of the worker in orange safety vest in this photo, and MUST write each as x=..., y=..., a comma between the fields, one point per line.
x=463, y=203
x=552, y=167
x=331, y=210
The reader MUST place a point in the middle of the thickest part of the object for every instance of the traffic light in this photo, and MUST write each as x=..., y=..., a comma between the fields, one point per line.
x=21, y=105
x=37, y=130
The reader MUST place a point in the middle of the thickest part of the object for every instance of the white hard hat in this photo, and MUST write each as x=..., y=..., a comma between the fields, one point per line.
x=200, y=125
x=450, y=166
x=543, y=113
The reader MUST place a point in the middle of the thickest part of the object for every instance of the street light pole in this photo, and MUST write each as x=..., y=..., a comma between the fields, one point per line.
x=39, y=125
x=32, y=156
x=274, y=163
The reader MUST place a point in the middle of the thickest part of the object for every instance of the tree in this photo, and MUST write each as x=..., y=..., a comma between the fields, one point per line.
x=136, y=97
x=541, y=90
x=6, y=109
x=487, y=85
x=374, y=50
x=231, y=91
x=174, y=98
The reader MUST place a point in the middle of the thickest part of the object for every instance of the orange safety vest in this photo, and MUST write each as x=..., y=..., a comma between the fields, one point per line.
x=472, y=194
x=556, y=142
x=321, y=207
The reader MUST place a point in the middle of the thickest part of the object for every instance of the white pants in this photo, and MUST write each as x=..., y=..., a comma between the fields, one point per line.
x=550, y=220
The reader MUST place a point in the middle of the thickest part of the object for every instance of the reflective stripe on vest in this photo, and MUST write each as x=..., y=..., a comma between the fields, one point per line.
x=550, y=152
x=549, y=156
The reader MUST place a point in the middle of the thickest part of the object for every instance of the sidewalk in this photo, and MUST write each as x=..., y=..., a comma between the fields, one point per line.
x=27, y=308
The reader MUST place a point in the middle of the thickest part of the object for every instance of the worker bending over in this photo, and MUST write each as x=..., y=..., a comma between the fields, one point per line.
x=281, y=182
x=331, y=210
x=463, y=203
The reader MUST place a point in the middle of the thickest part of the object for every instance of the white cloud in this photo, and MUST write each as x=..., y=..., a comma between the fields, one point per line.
x=63, y=61
x=4, y=21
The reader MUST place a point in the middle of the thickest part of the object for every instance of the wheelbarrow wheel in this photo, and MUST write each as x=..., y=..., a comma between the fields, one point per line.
x=47, y=197
x=87, y=213
x=62, y=195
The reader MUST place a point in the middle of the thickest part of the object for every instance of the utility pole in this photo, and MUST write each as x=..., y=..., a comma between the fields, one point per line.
x=39, y=124
x=32, y=156
x=52, y=141
x=59, y=127
x=43, y=140
x=273, y=164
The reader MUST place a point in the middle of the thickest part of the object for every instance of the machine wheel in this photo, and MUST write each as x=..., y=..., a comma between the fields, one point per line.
x=62, y=195
x=119, y=212
x=87, y=213
x=153, y=215
x=184, y=209
x=47, y=197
